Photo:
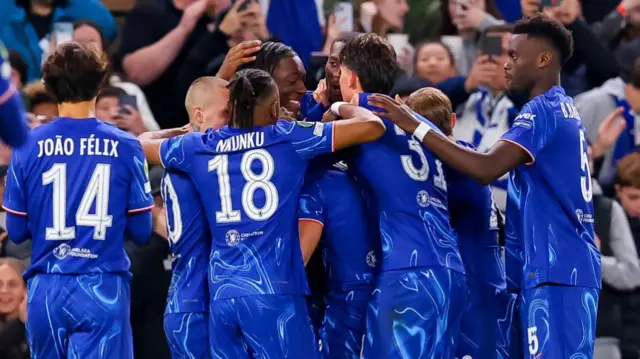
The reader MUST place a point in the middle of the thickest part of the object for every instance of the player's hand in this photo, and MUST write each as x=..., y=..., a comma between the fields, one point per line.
x=286, y=115
x=396, y=111
x=192, y=14
x=609, y=131
x=131, y=122
x=320, y=94
x=239, y=55
x=530, y=7
x=329, y=116
x=483, y=72
x=596, y=239
x=234, y=19
x=293, y=107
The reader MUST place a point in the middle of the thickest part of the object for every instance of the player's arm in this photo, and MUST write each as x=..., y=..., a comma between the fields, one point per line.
x=358, y=126
x=14, y=201
x=140, y=202
x=151, y=142
x=13, y=127
x=484, y=167
x=311, y=220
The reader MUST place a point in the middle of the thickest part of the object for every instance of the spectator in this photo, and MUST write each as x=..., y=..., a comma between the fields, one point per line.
x=86, y=30
x=596, y=105
x=152, y=55
x=151, y=268
x=627, y=187
x=462, y=24
x=489, y=111
x=27, y=25
x=125, y=117
x=236, y=24
x=382, y=16
x=19, y=69
x=621, y=25
x=13, y=310
x=43, y=104
x=434, y=61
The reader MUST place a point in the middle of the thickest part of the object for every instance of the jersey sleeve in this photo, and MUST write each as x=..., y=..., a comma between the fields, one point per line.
x=13, y=127
x=309, y=139
x=139, y=188
x=175, y=152
x=311, y=204
x=532, y=129
x=15, y=199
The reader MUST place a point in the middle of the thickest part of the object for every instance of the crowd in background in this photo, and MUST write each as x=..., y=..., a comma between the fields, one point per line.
x=459, y=46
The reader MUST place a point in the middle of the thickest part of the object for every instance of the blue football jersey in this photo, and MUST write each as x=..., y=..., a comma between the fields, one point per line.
x=76, y=180
x=474, y=217
x=190, y=243
x=13, y=127
x=410, y=191
x=251, y=180
x=549, y=219
x=331, y=198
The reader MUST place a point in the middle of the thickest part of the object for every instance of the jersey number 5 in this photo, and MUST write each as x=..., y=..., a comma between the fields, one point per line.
x=254, y=180
x=585, y=181
x=97, y=191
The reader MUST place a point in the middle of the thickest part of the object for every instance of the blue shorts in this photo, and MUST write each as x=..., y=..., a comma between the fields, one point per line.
x=84, y=316
x=187, y=335
x=261, y=326
x=558, y=321
x=487, y=323
x=343, y=328
x=415, y=314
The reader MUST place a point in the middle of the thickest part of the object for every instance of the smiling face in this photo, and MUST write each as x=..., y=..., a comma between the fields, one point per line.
x=289, y=76
x=12, y=289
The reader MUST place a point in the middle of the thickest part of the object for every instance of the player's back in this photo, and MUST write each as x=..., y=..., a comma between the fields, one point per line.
x=549, y=208
x=252, y=181
x=190, y=244
x=474, y=217
x=347, y=244
x=79, y=176
x=410, y=191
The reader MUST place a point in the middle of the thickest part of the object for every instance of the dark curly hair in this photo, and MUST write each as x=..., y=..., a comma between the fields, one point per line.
x=74, y=72
x=543, y=27
x=373, y=59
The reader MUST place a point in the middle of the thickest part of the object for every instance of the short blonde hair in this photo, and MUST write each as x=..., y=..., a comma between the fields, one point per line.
x=433, y=105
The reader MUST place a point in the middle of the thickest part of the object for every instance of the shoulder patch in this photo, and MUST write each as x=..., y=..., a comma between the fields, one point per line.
x=305, y=124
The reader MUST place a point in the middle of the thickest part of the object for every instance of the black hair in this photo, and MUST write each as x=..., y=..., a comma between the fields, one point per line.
x=635, y=74
x=270, y=55
x=542, y=26
x=248, y=88
x=17, y=62
x=39, y=98
x=93, y=25
x=373, y=59
x=74, y=72
x=109, y=91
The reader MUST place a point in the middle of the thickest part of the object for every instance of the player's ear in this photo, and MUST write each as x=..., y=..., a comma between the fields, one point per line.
x=453, y=120
x=353, y=80
x=198, y=116
x=546, y=57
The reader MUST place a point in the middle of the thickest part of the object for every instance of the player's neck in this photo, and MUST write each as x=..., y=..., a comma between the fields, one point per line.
x=77, y=110
x=543, y=86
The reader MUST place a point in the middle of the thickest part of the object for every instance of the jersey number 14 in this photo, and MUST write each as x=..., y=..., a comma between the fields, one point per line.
x=97, y=191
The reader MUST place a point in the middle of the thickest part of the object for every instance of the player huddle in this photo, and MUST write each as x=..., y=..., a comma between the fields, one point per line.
x=401, y=214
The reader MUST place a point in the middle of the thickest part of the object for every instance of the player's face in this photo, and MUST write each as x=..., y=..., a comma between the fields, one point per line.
x=629, y=199
x=216, y=114
x=521, y=63
x=289, y=76
x=332, y=69
x=12, y=289
x=347, y=86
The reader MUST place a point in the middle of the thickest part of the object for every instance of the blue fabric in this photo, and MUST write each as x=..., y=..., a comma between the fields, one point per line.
x=18, y=34
x=188, y=335
x=295, y=23
x=510, y=10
